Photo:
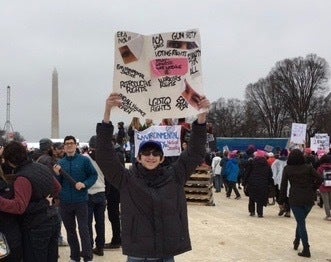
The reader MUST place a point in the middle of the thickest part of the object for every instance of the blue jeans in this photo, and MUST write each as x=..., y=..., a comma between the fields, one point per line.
x=140, y=259
x=96, y=208
x=300, y=213
x=69, y=214
x=40, y=242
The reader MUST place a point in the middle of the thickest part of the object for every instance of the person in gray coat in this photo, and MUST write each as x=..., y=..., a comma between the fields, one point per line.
x=153, y=202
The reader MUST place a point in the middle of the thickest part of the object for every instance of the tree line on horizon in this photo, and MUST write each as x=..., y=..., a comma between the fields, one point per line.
x=294, y=91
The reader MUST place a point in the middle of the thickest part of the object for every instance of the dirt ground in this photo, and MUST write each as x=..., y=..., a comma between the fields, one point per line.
x=225, y=232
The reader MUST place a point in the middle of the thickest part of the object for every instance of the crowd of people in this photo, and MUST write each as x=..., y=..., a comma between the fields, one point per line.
x=294, y=178
x=61, y=185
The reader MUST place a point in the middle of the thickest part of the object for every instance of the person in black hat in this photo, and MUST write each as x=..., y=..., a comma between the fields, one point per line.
x=153, y=203
x=47, y=158
x=44, y=154
x=46, y=151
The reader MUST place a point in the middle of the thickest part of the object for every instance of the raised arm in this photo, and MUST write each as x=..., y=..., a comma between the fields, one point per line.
x=106, y=156
x=113, y=100
x=203, y=104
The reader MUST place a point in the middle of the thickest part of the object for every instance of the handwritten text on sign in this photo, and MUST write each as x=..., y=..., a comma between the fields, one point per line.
x=158, y=76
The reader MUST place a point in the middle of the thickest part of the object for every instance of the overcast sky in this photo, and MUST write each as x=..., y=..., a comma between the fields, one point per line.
x=241, y=42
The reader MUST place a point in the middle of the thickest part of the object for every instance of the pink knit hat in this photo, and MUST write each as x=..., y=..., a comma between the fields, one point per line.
x=259, y=153
x=233, y=154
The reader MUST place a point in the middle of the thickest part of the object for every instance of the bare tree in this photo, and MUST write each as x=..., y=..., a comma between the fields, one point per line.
x=268, y=104
x=252, y=125
x=319, y=116
x=227, y=117
x=298, y=81
x=292, y=92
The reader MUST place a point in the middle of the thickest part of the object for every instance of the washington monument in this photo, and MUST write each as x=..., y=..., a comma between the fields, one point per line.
x=55, y=105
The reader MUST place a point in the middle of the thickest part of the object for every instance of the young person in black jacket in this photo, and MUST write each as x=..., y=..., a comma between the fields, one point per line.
x=153, y=203
x=304, y=181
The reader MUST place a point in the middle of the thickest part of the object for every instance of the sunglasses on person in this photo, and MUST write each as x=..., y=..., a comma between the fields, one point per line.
x=151, y=152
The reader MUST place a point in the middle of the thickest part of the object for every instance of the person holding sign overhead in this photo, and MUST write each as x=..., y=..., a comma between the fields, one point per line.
x=153, y=203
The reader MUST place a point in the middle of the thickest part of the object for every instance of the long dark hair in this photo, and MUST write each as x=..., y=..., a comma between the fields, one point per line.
x=15, y=153
x=296, y=158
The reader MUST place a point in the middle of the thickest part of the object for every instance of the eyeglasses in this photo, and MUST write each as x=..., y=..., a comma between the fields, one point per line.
x=153, y=153
x=69, y=143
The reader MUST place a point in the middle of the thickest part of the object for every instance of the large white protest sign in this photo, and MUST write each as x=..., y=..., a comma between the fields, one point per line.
x=298, y=133
x=168, y=136
x=158, y=76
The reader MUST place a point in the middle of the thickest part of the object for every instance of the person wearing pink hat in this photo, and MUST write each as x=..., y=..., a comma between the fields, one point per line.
x=257, y=178
x=260, y=153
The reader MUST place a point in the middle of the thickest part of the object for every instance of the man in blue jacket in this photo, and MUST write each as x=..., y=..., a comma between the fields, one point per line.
x=153, y=203
x=74, y=197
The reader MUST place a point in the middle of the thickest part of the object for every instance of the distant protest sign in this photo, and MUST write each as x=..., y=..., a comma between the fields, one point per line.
x=298, y=133
x=320, y=142
x=168, y=136
x=268, y=148
x=158, y=76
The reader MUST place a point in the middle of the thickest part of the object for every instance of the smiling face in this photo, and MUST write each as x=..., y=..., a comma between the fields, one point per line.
x=70, y=147
x=150, y=158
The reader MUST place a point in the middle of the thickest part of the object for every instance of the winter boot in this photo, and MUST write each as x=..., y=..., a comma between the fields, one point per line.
x=305, y=252
x=281, y=210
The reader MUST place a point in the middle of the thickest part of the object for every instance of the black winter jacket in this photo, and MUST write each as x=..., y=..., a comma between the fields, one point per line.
x=258, y=178
x=42, y=182
x=9, y=223
x=302, y=179
x=153, y=203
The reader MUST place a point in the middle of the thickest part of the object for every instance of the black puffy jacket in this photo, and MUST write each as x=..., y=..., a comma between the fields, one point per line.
x=153, y=203
x=9, y=223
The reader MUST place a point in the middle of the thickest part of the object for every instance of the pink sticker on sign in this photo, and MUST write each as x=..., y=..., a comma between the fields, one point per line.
x=169, y=67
